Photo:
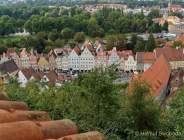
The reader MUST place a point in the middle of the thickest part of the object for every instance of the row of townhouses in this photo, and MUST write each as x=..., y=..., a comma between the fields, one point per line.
x=48, y=68
x=82, y=58
x=87, y=57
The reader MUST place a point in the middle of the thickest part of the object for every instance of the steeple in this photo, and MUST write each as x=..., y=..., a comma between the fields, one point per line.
x=169, y=5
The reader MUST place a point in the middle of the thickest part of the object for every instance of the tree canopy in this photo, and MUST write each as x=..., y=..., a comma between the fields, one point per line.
x=94, y=102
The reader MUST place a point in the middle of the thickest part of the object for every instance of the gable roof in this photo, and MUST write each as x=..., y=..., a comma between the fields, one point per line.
x=8, y=67
x=101, y=53
x=125, y=54
x=52, y=76
x=77, y=50
x=171, y=54
x=43, y=61
x=23, y=53
x=62, y=51
x=28, y=73
x=157, y=75
x=88, y=44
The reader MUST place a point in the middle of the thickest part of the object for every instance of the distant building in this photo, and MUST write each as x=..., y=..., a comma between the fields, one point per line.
x=175, y=25
x=24, y=59
x=33, y=60
x=26, y=75
x=113, y=57
x=174, y=8
x=130, y=64
x=111, y=6
x=101, y=59
x=43, y=64
x=8, y=70
x=176, y=28
x=13, y=55
x=74, y=59
x=4, y=58
x=62, y=60
x=145, y=60
x=175, y=57
x=87, y=57
x=52, y=60
x=123, y=58
x=91, y=8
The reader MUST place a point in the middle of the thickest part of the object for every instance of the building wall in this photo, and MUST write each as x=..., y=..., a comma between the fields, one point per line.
x=74, y=61
x=162, y=94
x=121, y=64
x=43, y=64
x=87, y=60
x=22, y=79
x=176, y=64
x=52, y=62
x=101, y=61
x=58, y=62
x=176, y=28
x=65, y=63
x=130, y=64
x=24, y=62
x=113, y=58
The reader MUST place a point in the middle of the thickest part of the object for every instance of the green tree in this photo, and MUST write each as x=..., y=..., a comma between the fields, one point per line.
x=151, y=44
x=59, y=43
x=142, y=108
x=67, y=33
x=117, y=41
x=42, y=35
x=165, y=27
x=93, y=95
x=79, y=37
x=94, y=29
x=72, y=43
x=173, y=120
x=140, y=45
x=177, y=44
x=53, y=35
x=133, y=41
x=2, y=50
x=155, y=13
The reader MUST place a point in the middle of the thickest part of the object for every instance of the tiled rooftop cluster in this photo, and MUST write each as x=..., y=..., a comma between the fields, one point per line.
x=17, y=122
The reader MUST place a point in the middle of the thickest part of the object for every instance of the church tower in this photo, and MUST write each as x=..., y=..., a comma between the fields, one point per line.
x=169, y=6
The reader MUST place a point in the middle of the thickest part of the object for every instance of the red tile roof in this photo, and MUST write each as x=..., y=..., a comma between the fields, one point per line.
x=36, y=125
x=9, y=67
x=28, y=73
x=77, y=50
x=6, y=105
x=85, y=136
x=20, y=131
x=157, y=75
x=171, y=54
x=54, y=129
x=51, y=75
x=125, y=53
